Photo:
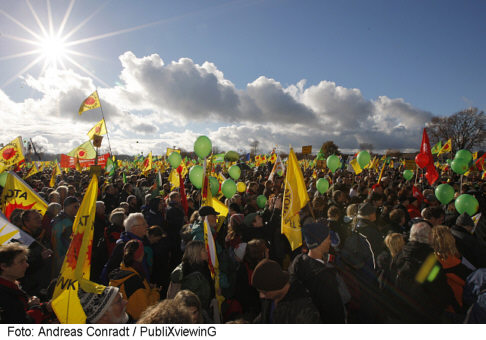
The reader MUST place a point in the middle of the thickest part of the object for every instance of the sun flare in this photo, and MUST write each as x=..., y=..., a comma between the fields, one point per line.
x=53, y=49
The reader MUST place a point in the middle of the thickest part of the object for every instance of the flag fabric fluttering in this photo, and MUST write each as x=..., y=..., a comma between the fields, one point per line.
x=12, y=153
x=92, y=102
x=277, y=167
x=436, y=148
x=33, y=170
x=213, y=262
x=182, y=190
x=19, y=195
x=84, y=151
x=55, y=171
x=77, y=262
x=8, y=231
x=446, y=148
x=431, y=172
x=147, y=163
x=99, y=129
x=295, y=198
x=356, y=167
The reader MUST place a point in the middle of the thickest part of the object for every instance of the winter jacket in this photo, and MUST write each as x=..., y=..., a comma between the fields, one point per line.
x=38, y=275
x=135, y=289
x=456, y=273
x=295, y=308
x=246, y=294
x=322, y=284
x=369, y=229
x=469, y=247
x=14, y=307
x=197, y=279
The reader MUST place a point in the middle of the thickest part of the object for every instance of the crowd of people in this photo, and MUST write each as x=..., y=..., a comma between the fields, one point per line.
x=372, y=252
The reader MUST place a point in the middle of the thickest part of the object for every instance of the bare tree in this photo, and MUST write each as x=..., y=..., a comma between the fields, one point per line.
x=329, y=148
x=466, y=129
x=254, y=146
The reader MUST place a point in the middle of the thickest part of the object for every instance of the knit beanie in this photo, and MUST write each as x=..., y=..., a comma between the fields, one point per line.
x=95, y=305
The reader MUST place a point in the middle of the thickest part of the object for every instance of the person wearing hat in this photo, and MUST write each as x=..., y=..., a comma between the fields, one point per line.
x=286, y=302
x=105, y=308
x=255, y=227
x=366, y=225
x=319, y=278
x=198, y=227
x=467, y=244
x=62, y=228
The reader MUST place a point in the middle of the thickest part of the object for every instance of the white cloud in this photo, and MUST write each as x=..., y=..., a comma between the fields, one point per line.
x=154, y=100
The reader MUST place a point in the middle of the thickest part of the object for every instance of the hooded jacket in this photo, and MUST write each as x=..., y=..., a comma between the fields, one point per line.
x=135, y=289
x=322, y=285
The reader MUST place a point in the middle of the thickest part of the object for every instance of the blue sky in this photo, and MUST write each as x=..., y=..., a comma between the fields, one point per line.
x=388, y=65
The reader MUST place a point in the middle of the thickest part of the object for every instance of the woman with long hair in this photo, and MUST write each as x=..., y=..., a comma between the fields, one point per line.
x=133, y=284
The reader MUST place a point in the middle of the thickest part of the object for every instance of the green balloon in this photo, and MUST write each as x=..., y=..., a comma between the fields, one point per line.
x=363, y=158
x=196, y=176
x=213, y=185
x=174, y=159
x=464, y=154
x=235, y=172
x=231, y=156
x=444, y=193
x=467, y=204
x=203, y=146
x=459, y=166
x=408, y=174
x=228, y=188
x=322, y=185
x=261, y=201
x=333, y=162
x=3, y=178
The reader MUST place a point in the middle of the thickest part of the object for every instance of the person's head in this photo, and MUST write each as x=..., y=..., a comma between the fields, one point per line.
x=254, y=220
x=421, y=232
x=195, y=253
x=397, y=216
x=71, y=190
x=338, y=196
x=352, y=210
x=71, y=206
x=465, y=221
x=105, y=308
x=190, y=300
x=256, y=250
x=168, y=311
x=376, y=199
x=394, y=242
x=367, y=211
x=125, y=206
x=235, y=225
x=135, y=223
x=333, y=213
x=444, y=243
x=53, y=209
x=13, y=261
x=270, y=280
x=16, y=217
x=175, y=197
x=133, y=253
x=110, y=189
x=132, y=201
x=32, y=221
x=117, y=216
x=434, y=215
x=127, y=187
x=63, y=192
x=236, y=199
x=317, y=237
x=54, y=197
x=210, y=213
x=100, y=209
x=154, y=234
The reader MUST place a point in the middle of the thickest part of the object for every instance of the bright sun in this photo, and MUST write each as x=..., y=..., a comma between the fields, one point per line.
x=53, y=49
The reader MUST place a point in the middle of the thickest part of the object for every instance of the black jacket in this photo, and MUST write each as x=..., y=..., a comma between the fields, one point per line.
x=369, y=229
x=470, y=247
x=295, y=308
x=322, y=284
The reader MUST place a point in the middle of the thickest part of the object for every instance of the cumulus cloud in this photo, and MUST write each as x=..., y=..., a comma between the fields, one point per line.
x=157, y=105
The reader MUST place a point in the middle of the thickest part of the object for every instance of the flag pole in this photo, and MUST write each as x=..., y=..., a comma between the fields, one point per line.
x=107, y=135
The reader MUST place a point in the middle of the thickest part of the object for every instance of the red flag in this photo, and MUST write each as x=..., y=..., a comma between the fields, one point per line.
x=431, y=172
x=417, y=194
x=480, y=162
x=182, y=191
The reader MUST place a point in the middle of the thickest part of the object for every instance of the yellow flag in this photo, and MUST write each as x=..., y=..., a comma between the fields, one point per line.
x=147, y=163
x=77, y=262
x=475, y=155
x=98, y=129
x=19, y=195
x=170, y=150
x=11, y=153
x=92, y=102
x=446, y=148
x=295, y=198
x=56, y=171
x=34, y=170
x=357, y=169
x=174, y=179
